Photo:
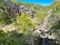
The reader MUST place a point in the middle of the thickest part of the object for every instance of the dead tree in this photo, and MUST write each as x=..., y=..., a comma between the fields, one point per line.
x=32, y=12
x=21, y=9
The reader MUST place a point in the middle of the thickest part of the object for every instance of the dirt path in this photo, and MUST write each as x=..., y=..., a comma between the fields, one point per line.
x=9, y=27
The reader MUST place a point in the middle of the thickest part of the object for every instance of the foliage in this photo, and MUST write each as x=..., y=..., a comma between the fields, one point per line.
x=25, y=27
x=24, y=23
x=12, y=38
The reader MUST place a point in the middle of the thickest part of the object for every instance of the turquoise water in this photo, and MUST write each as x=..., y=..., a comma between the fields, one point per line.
x=40, y=2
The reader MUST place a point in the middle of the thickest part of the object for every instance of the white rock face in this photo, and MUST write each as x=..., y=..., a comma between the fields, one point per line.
x=51, y=37
x=45, y=27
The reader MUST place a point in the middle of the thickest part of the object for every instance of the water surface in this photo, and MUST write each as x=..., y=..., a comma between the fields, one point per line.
x=40, y=2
